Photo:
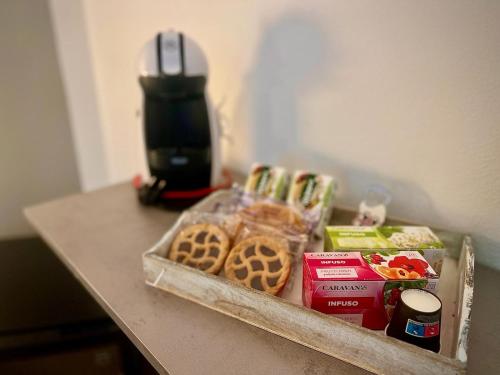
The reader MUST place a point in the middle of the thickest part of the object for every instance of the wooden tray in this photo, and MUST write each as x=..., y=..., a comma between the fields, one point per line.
x=285, y=315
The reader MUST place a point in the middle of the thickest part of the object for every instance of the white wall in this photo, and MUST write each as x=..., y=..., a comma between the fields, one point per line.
x=399, y=93
x=77, y=71
x=37, y=162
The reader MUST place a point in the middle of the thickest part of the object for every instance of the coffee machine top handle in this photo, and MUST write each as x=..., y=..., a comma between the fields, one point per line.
x=172, y=53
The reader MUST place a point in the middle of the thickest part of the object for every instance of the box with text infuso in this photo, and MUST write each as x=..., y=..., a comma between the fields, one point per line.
x=363, y=288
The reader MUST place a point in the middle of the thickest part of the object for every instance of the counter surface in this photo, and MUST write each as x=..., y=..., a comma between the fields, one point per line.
x=100, y=237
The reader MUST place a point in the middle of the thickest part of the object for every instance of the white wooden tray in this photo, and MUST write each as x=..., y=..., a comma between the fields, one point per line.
x=285, y=315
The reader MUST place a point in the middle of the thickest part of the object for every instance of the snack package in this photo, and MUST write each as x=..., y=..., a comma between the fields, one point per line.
x=279, y=229
x=353, y=238
x=202, y=240
x=312, y=194
x=261, y=260
x=257, y=247
x=280, y=216
x=363, y=287
x=267, y=181
x=295, y=242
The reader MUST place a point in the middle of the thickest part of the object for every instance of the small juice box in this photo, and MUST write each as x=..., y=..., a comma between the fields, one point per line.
x=363, y=287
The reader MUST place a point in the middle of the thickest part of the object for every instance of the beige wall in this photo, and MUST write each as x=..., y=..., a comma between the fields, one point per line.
x=402, y=93
x=37, y=162
x=77, y=71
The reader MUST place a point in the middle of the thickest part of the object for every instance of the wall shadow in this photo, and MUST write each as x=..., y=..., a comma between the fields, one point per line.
x=294, y=57
x=291, y=58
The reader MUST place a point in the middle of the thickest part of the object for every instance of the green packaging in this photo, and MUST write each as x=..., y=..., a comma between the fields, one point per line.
x=353, y=238
x=312, y=194
x=267, y=181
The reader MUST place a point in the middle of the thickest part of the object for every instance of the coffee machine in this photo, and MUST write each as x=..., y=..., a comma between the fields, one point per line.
x=181, y=130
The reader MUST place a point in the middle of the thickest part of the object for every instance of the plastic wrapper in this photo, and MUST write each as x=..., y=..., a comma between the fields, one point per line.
x=293, y=243
x=267, y=181
x=312, y=194
x=281, y=216
x=276, y=229
x=201, y=241
x=277, y=221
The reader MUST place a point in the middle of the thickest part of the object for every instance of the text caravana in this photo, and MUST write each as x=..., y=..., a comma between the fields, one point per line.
x=345, y=287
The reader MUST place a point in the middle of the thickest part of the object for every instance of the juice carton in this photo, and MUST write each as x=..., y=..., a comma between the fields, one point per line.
x=353, y=238
x=362, y=288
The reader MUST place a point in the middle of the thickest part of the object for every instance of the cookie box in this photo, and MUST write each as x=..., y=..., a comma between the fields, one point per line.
x=421, y=239
x=362, y=288
x=287, y=317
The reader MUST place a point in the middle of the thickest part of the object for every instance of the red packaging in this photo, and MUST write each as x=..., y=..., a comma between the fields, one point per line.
x=362, y=288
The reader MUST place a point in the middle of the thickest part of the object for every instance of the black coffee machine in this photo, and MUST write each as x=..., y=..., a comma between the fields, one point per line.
x=180, y=126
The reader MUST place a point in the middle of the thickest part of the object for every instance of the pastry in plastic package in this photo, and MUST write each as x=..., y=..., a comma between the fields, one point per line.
x=203, y=240
x=277, y=215
x=260, y=262
x=202, y=246
x=293, y=243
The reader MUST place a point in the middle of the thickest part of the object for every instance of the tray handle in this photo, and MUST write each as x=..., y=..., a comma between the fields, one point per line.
x=464, y=299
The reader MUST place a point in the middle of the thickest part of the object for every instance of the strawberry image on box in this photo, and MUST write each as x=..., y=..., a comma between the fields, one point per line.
x=363, y=287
